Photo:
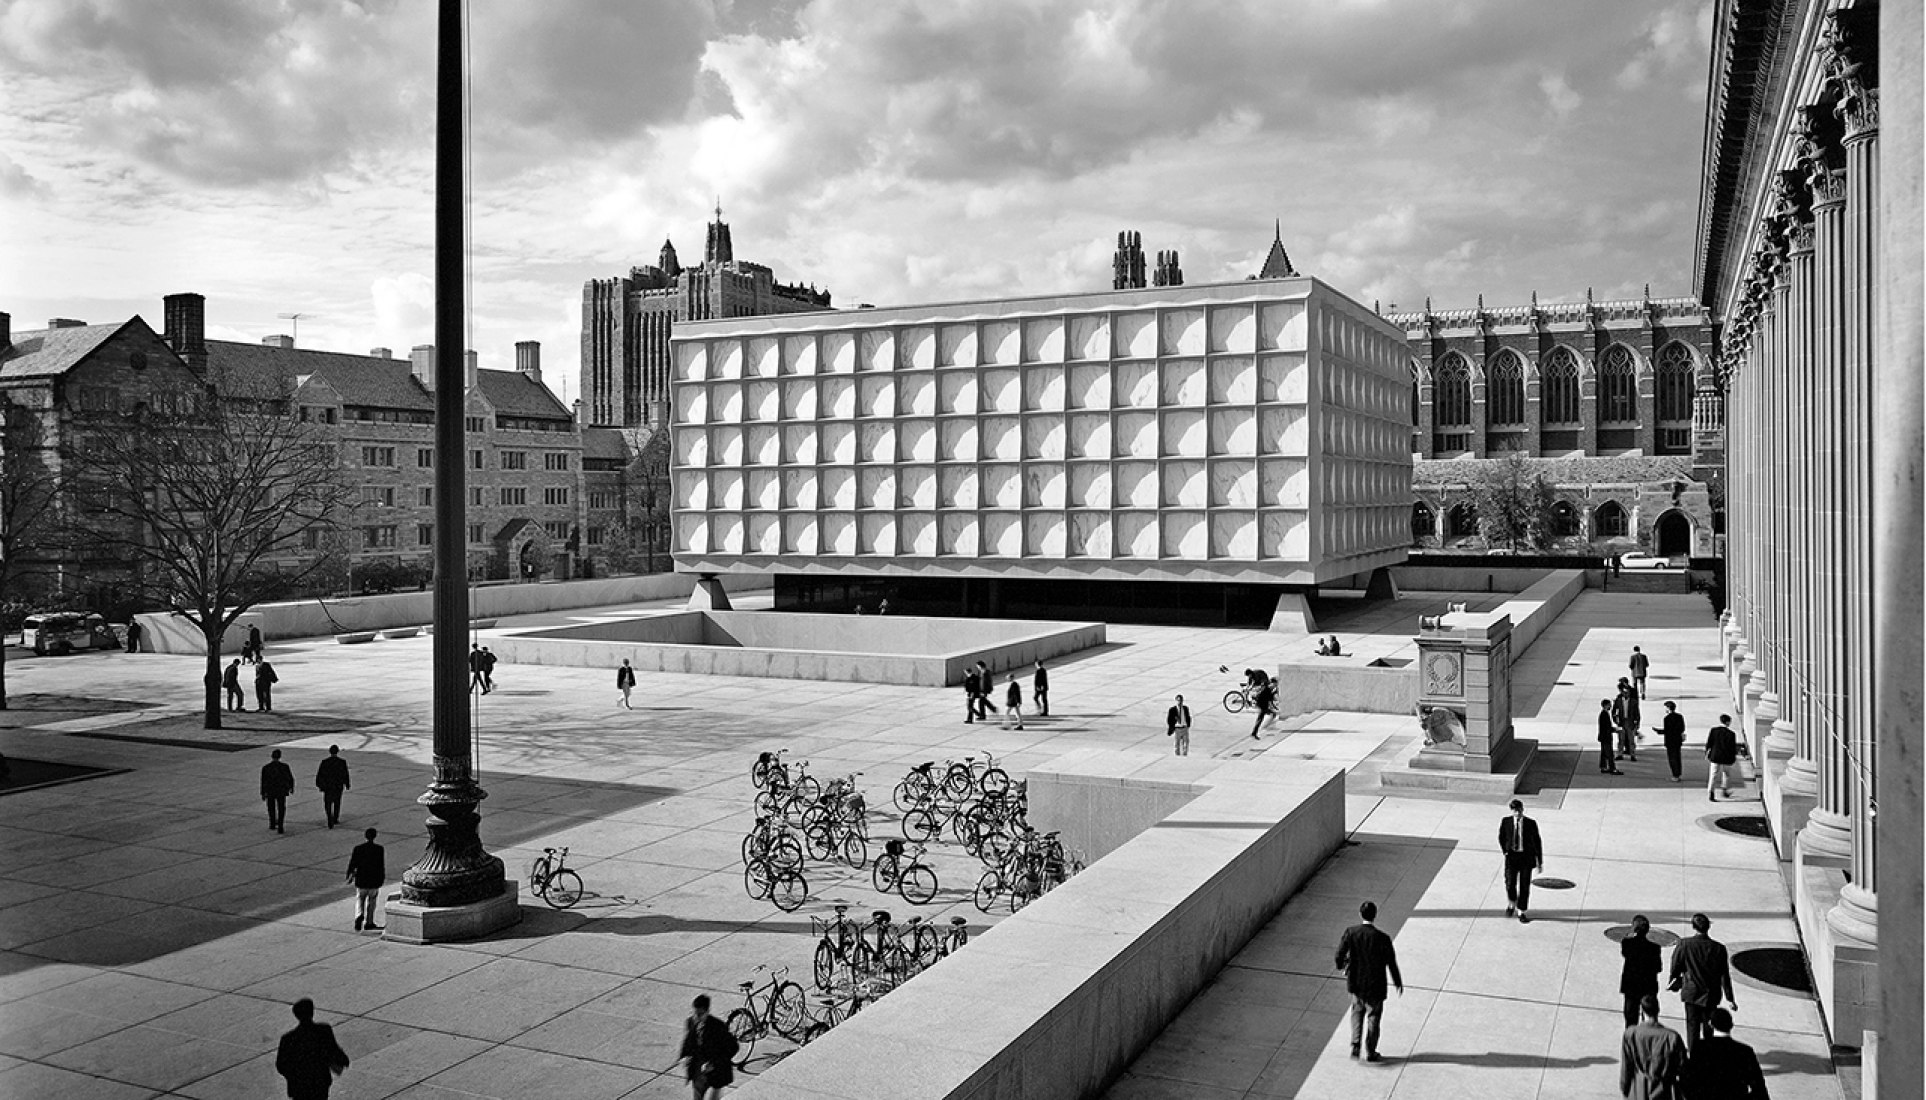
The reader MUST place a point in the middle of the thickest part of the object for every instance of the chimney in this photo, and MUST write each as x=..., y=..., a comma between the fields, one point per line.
x=528, y=359
x=184, y=319
x=65, y=322
x=421, y=364
x=380, y=353
x=278, y=340
x=6, y=331
x=471, y=368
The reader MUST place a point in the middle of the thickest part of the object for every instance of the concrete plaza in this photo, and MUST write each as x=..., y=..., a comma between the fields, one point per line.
x=152, y=931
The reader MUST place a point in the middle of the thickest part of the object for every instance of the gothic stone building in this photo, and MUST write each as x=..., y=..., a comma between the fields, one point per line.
x=626, y=323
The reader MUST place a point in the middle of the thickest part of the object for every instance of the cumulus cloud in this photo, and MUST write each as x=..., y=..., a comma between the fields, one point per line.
x=17, y=183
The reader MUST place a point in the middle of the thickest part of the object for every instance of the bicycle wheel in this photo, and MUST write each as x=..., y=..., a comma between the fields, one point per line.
x=538, y=875
x=564, y=890
x=809, y=789
x=785, y=851
x=816, y=1031
x=758, y=879
x=789, y=890
x=883, y=873
x=918, y=884
x=746, y=1029
x=909, y=793
x=995, y=783
x=925, y=945
x=825, y=968
x=988, y=888
x=760, y=773
x=921, y=825
x=790, y=1010
x=821, y=844
x=855, y=851
x=995, y=846
x=1234, y=702
x=958, y=781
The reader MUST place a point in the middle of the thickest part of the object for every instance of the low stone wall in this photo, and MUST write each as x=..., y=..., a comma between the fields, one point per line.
x=1058, y=999
x=1472, y=578
x=1536, y=608
x=315, y=618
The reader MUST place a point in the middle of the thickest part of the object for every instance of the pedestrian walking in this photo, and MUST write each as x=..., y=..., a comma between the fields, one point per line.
x=1040, y=690
x=475, y=682
x=331, y=778
x=1177, y=725
x=1366, y=954
x=1266, y=703
x=133, y=635
x=254, y=647
x=1625, y=712
x=1524, y=854
x=277, y=783
x=235, y=698
x=1607, y=727
x=264, y=680
x=1639, y=665
x=368, y=870
x=1722, y=1068
x=625, y=683
x=1013, y=703
x=1722, y=750
x=1651, y=1057
x=972, y=688
x=487, y=670
x=309, y=1058
x=1638, y=974
x=1672, y=729
x=710, y=1051
x=985, y=684
x=1701, y=971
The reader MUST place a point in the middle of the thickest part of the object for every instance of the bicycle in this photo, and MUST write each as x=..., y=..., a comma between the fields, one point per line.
x=955, y=938
x=773, y=839
x=918, y=787
x=836, y=944
x=769, y=770
x=966, y=779
x=550, y=879
x=785, y=1011
x=914, y=880
x=783, y=885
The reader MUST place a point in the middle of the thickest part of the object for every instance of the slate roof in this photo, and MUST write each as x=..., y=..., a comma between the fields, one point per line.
x=1608, y=470
x=516, y=394
x=52, y=352
x=376, y=383
x=603, y=443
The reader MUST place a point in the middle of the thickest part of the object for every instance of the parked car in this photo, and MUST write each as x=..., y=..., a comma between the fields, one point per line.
x=65, y=631
x=1640, y=560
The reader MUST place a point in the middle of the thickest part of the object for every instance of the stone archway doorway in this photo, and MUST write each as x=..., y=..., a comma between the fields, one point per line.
x=1672, y=535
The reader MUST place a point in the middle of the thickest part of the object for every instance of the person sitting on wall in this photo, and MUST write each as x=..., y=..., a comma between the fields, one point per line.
x=1323, y=648
x=1336, y=649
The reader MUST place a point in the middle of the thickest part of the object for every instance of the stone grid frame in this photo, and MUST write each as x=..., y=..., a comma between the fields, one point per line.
x=1237, y=431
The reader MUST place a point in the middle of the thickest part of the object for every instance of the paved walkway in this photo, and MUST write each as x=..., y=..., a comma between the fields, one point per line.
x=152, y=932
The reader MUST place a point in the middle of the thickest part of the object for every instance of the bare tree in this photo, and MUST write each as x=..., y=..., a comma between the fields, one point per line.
x=1514, y=503
x=648, y=490
x=208, y=509
x=28, y=511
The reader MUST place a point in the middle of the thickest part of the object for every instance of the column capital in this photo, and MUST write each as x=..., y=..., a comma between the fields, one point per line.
x=1849, y=51
x=1828, y=187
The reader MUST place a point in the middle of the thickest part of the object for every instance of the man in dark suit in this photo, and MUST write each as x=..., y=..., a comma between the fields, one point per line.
x=1640, y=664
x=277, y=783
x=972, y=687
x=1177, y=725
x=1365, y=954
x=331, y=778
x=1722, y=1068
x=309, y=1057
x=1524, y=855
x=368, y=870
x=1607, y=726
x=1650, y=1057
x=1638, y=977
x=1700, y=973
x=1040, y=690
x=1673, y=730
x=1722, y=752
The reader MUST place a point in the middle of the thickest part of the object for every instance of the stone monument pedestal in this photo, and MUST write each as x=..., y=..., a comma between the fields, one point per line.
x=1464, y=708
x=411, y=923
x=709, y=595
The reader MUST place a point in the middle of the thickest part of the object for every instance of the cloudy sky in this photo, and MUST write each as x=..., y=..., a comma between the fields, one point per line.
x=277, y=155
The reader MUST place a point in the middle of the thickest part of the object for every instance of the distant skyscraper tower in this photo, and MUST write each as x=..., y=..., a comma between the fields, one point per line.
x=626, y=322
x=1127, y=266
x=1168, y=272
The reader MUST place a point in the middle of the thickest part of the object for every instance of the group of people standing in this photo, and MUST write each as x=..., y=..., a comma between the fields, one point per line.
x=1618, y=733
x=979, y=683
x=253, y=652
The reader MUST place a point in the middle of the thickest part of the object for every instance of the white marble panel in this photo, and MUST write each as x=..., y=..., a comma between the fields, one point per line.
x=765, y=534
x=1043, y=486
x=1089, y=535
x=956, y=391
x=877, y=350
x=691, y=447
x=916, y=487
x=725, y=487
x=1002, y=437
x=956, y=441
x=1136, y=435
x=1183, y=332
x=1090, y=485
x=691, y=404
x=957, y=536
x=1136, y=334
x=1043, y=388
x=1233, y=432
x=764, y=355
x=1043, y=536
x=876, y=443
x=1043, y=437
x=1002, y=486
x=1285, y=483
x=876, y=397
x=760, y=401
x=1233, y=381
x=1001, y=391
x=1002, y=342
x=839, y=443
x=1233, y=328
x=916, y=347
x=1183, y=382
x=917, y=441
x=838, y=353
x=725, y=401
x=1137, y=485
x=1136, y=535
x=916, y=394
x=1281, y=327
x=839, y=487
x=1089, y=435
x=1002, y=535
x=1284, y=378
x=956, y=345
x=1184, y=434
x=838, y=398
x=956, y=487
x=1233, y=483
x=839, y=534
x=1136, y=385
x=1186, y=536
x=799, y=401
x=1043, y=340
x=799, y=488
x=1281, y=431
x=1285, y=536
x=1090, y=386
x=725, y=446
x=876, y=488
x=799, y=535
x=692, y=533
x=725, y=359
x=765, y=446
x=691, y=489
x=692, y=360
x=800, y=443
x=1184, y=485
x=765, y=490
x=917, y=535
x=799, y=353
x=876, y=535
x=726, y=530
x=1233, y=536
x=1088, y=338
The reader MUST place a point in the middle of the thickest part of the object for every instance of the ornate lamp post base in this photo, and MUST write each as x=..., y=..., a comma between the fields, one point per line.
x=457, y=891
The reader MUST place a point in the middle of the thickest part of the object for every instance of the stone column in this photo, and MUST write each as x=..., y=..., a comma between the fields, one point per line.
x=1770, y=649
x=1793, y=642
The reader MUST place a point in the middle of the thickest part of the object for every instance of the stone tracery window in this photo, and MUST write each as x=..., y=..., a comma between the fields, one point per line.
x=1451, y=392
x=1505, y=389
x=1675, y=379
x=1617, y=386
x=1609, y=521
x=1560, y=394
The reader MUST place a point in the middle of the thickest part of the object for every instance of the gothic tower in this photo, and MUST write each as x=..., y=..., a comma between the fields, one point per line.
x=1168, y=272
x=719, y=250
x=1127, y=267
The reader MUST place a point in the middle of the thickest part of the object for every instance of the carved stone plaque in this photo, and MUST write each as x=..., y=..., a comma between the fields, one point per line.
x=1443, y=674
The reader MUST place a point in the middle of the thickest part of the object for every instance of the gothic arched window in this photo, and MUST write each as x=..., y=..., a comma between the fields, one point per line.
x=1560, y=394
x=1451, y=392
x=1564, y=519
x=1505, y=389
x=1617, y=386
x=1675, y=382
x=1609, y=521
x=1461, y=521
